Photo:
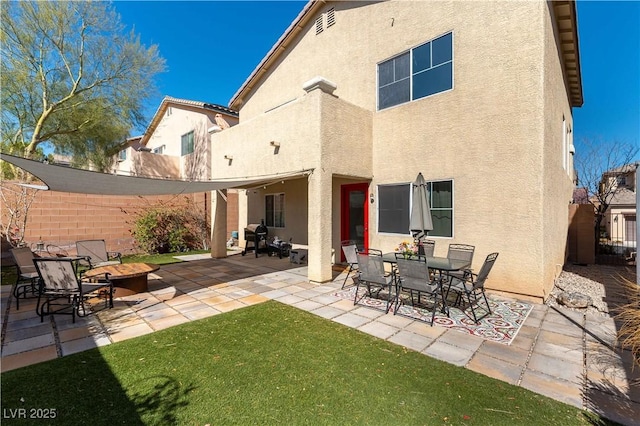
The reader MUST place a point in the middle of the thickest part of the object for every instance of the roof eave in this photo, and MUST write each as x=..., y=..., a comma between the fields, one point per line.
x=566, y=17
x=157, y=117
x=278, y=48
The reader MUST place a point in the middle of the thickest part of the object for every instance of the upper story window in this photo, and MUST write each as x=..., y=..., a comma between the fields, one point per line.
x=187, y=143
x=122, y=155
x=158, y=149
x=394, y=208
x=169, y=111
x=422, y=71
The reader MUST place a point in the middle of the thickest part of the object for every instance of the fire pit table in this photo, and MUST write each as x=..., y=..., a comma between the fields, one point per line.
x=128, y=278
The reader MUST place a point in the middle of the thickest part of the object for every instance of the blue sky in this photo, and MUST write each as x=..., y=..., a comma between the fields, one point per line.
x=211, y=47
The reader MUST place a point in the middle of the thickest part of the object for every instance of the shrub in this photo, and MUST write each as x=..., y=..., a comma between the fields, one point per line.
x=167, y=228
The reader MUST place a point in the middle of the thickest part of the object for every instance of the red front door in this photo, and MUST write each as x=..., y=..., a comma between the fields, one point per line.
x=354, y=214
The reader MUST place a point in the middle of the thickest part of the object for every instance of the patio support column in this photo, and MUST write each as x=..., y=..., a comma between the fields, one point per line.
x=219, y=224
x=319, y=226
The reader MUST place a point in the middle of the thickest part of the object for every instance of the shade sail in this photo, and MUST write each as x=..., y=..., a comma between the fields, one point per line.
x=420, y=221
x=68, y=179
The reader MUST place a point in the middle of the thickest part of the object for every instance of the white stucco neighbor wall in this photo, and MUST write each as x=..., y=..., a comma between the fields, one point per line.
x=497, y=134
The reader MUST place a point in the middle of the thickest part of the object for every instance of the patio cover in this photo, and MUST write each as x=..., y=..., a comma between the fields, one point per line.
x=68, y=179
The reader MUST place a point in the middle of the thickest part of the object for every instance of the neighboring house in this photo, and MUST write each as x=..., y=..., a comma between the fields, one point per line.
x=357, y=98
x=620, y=219
x=176, y=145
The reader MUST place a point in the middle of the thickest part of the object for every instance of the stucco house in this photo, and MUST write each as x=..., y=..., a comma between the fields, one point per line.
x=176, y=142
x=176, y=145
x=357, y=98
x=620, y=221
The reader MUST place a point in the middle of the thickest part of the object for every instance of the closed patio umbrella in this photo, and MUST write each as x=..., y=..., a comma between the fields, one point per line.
x=420, y=221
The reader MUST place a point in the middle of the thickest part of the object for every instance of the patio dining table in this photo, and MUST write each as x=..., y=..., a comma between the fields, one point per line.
x=442, y=264
x=439, y=264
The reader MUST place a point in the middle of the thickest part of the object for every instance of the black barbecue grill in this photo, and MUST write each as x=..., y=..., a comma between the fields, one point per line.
x=255, y=238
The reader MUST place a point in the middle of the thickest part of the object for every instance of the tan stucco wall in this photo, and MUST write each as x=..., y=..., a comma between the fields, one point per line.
x=558, y=181
x=497, y=134
x=317, y=129
x=295, y=215
x=581, y=238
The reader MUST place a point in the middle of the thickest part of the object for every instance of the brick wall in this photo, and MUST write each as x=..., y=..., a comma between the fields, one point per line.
x=62, y=218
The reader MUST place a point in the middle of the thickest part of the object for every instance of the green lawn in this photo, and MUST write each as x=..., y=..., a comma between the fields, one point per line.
x=159, y=259
x=269, y=364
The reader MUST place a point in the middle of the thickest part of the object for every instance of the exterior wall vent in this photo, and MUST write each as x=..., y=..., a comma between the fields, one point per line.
x=331, y=17
x=319, y=27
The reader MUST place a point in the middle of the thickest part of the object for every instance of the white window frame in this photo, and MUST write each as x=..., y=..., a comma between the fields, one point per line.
x=412, y=74
x=452, y=208
x=271, y=221
x=408, y=184
x=182, y=145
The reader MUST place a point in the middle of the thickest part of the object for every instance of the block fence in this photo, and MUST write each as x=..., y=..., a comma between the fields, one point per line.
x=62, y=218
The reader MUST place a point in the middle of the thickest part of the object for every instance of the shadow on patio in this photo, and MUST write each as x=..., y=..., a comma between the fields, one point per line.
x=612, y=381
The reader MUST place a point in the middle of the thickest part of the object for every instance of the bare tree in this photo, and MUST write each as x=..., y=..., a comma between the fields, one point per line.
x=17, y=200
x=599, y=166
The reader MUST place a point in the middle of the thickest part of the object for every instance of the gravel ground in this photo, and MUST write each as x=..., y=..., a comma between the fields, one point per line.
x=603, y=283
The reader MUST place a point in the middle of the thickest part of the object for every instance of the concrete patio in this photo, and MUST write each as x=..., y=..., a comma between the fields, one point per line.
x=563, y=354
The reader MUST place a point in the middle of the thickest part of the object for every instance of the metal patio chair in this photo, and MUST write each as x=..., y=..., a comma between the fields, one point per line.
x=371, y=273
x=350, y=250
x=471, y=286
x=427, y=248
x=460, y=252
x=96, y=254
x=414, y=278
x=62, y=292
x=27, y=274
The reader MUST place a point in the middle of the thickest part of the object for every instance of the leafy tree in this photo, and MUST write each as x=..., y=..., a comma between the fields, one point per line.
x=73, y=77
x=599, y=165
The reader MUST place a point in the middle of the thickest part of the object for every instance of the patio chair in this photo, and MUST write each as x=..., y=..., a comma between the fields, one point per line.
x=27, y=274
x=414, y=277
x=472, y=286
x=460, y=252
x=426, y=248
x=350, y=251
x=63, y=292
x=95, y=251
x=56, y=251
x=371, y=273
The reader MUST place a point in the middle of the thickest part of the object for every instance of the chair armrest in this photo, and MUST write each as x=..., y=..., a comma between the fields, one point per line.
x=374, y=252
x=114, y=255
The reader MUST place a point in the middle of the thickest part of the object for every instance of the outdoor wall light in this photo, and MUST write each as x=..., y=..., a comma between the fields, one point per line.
x=371, y=198
x=228, y=157
x=274, y=143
